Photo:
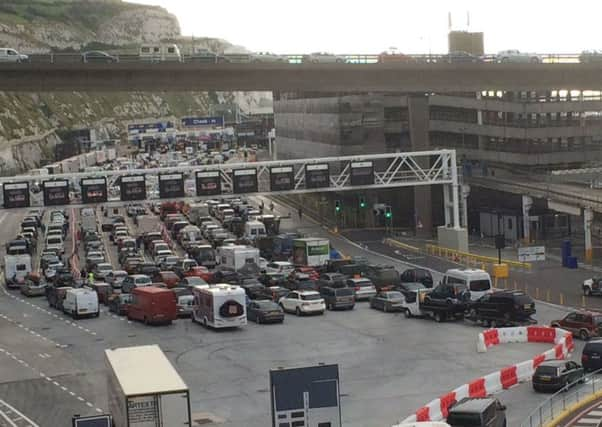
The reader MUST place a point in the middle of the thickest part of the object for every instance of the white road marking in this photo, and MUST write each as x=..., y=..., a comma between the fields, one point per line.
x=21, y=416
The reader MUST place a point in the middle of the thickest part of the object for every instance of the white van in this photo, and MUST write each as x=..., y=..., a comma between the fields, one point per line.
x=55, y=241
x=160, y=53
x=478, y=282
x=81, y=302
x=254, y=229
x=11, y=55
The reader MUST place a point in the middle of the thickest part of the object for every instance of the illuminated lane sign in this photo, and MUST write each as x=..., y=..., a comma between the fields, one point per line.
x=317, y=176
x=56, y=192
x=16, y=195
x=282, y=178
x=362, y=173
x=245, y=181
x=94, y=190
x=208, y=183
x=171, y=185
x=132, y=187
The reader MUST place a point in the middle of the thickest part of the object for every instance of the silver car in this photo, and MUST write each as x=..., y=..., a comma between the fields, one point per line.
x=364, y=288
x=323, y=58
x=267, y=57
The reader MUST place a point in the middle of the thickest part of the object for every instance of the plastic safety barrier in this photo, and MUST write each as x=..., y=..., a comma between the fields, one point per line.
x=495, y=382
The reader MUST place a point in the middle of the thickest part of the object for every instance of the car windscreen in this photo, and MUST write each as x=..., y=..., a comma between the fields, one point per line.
x=394, y=295
x=480, y=285
x=413, y=286
x=343, y=292
x=363, y=284
x=389, y=275
x=526, y=299
x=312, y=297
x=54, y=241
x=598, y=320
x=459, y=419
x=143, y=280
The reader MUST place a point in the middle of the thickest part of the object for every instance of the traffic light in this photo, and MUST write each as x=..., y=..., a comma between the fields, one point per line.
x=388, y=213
x=337, y=206
x=362, y=202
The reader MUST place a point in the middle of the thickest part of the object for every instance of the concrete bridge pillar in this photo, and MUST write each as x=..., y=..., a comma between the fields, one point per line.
x=527, y=204
x=588, y=216
x=465, y=194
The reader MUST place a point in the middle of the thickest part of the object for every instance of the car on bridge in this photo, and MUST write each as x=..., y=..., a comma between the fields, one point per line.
x=392, y=55
x=323, y=58
x=589, y=56
x=98, y=57
x=460, y=57
x=267, y=57
x=11, y=55
x=514, y=55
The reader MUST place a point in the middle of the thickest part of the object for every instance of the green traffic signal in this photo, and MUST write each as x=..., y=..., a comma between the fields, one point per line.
x=388, y=213
x=337, y=206
x=362, y=203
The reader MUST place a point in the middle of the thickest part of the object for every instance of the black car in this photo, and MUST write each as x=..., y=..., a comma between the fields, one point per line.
x=417, y=275
x=477, y=412
x=254, y=290
x=502, y=308
x=265, y=311
x=227, y=276
x=273, y=279
x=591, y=356
x=384, y=277
x=190, y=281
x=335, y=298
x=555, y=375
x=387, y=301
x=461, y=57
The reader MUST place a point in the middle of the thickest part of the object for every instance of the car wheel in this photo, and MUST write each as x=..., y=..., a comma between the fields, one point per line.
x=587, y=292
x=505, y=60
x=407, y=313
x=204, y=321
x=472, y=314
x=97, y=314
x=74, y=314
x=438, y=317
x=535, y=60
x=258, y=320
x=386, y=308
x=145, y=320
x=583, y=335
x=314, y=61
x=493, y=324
x=297, y=311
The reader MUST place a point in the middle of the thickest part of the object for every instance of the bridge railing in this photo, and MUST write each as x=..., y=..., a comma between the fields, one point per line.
x=470, y=259
x=295, y=58
x=563, y=403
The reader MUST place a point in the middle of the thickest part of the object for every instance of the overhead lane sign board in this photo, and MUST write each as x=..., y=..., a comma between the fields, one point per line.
x=282, y=178
x=132, y=187
x=245, y=180
x=362, y=173
x=16, y=195
x=56, y=192
x=94, y=190
x=317, y=175
x=202, y=121
x=208, y=183
x=171, y=185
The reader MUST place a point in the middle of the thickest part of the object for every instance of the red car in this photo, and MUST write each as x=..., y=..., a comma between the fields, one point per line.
x=310, y=271
x=169, y=278
x=583, y=324
x=153, y=305
x=200, y=271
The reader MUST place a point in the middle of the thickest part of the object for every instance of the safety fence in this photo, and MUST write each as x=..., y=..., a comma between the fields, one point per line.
x=473, y=260
x=505, y=378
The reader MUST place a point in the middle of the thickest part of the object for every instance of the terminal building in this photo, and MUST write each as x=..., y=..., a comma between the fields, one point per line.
x=495, y=133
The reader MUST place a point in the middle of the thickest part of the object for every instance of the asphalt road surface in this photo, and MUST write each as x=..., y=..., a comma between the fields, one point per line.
x=52, y=367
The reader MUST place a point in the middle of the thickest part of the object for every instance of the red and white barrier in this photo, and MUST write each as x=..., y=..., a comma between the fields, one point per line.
x=505, y=378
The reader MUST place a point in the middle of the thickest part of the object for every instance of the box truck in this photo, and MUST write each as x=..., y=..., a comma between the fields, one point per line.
x=311, y=251
x=144, y=389
x=238, y=256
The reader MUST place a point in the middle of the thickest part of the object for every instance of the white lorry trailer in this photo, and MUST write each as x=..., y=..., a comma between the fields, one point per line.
x=16, y=267
x=311, y=251
x=144, y=389
x=238, y=256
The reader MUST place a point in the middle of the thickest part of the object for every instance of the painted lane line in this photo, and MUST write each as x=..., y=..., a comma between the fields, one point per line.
x=21, y=415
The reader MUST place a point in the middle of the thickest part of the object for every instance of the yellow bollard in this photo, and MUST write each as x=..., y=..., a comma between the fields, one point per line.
x=548, y=296
x=561, y=299
x=536, y=293
x=582, y=300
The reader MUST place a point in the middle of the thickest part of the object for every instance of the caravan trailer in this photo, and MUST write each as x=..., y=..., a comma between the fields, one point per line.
x=160, y=53
x=219, y=306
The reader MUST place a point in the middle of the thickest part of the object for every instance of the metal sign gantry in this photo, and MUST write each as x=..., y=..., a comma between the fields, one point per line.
x=327, y=174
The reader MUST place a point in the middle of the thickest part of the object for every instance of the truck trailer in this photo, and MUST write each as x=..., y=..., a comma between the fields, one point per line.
x=144, y=389
x=311, y=251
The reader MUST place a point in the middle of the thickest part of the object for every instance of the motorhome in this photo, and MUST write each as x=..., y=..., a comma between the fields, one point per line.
x=254, y=229
x=16, y=267
x=237, y=256
x=219, y=306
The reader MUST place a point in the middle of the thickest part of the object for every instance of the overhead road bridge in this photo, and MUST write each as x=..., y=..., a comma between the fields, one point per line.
x=343, y=77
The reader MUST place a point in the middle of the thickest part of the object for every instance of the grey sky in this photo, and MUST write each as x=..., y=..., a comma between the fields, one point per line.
x=370, y=26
